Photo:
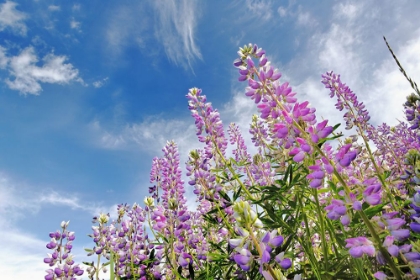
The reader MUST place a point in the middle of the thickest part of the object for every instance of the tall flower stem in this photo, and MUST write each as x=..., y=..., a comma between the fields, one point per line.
x=260, y=252
x=323, y=231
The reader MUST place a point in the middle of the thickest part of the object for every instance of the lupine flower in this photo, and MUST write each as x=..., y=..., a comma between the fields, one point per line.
x=61, y=257
x=380, y=275
x=336, y=209
x=185, y=259
x=258, y=131
x=360, y=246
x=208, y=119
x=344, y=156
x=245, y=216
x=316, y=177
x=372, y=194
x=320, y=131
x=412, y=256
x=284, y=263
x=235, y=138
x=390, y=246
x=356, y=113
x=299, y=153
x=412, y=110
x=243, y=258
x=400, y=234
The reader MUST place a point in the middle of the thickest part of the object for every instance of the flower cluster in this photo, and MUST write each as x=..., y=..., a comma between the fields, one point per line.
x=307, y=204
x=61, y=257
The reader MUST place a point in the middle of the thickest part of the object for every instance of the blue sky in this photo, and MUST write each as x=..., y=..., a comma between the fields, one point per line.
x=91, y=90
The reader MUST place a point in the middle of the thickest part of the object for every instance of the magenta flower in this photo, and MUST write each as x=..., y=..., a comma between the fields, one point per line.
x=185, y=259
x=415, y=227
x=372, y=194
x=321, y=131
x=380, y=275
x=284, y=263
x=243, y=259
x=336, y=209
x=346, y=99
x=61, y=257
x=400, y=234
x=360, y=246
x=390, y=246
x=316, y=177
x=344, y=156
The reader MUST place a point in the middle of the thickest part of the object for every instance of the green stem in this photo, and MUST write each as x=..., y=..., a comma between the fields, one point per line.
x=97, y=267
x=397, y=273
x=323, y=231
x=308, y=249
x=260, y=252
x=111, y=266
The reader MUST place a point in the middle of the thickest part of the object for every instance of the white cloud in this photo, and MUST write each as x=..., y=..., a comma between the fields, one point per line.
x=76, y=7
x=54, y=8
x=20, y=256
x=10, y=17
x=262, y=9
x=75, y=24
x=348, y=10
x=174, y=24
x=305, y=18
x=27, y=75
x=352, y=46
x=175, y=30
x=22, y=253
x=126, y=25
x=389, y=86
x=100, y=83
x=18, y=200
x=282, y=11
x=150, y=135
x=300, y=14
x=3, y=58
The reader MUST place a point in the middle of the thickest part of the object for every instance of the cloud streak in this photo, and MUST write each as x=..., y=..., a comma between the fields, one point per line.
x=175, y=29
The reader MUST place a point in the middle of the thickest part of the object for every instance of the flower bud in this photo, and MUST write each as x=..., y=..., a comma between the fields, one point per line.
x=149, y=201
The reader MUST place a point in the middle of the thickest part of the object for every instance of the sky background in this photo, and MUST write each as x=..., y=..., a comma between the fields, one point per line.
x=91, y=90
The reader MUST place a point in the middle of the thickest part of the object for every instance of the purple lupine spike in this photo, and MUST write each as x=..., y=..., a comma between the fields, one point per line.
x=61, y=244
x=208, y=118
x=346, y=99
x=235, y=137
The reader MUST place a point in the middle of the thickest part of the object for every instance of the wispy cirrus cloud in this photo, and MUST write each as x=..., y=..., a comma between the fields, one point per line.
x=54, y=8
x=26, y=76
x=261, y=9
x=12, y=18
x=126, y=25
x=147, y=136
x=175, y=29
x=174, y=24
x=18, y=200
